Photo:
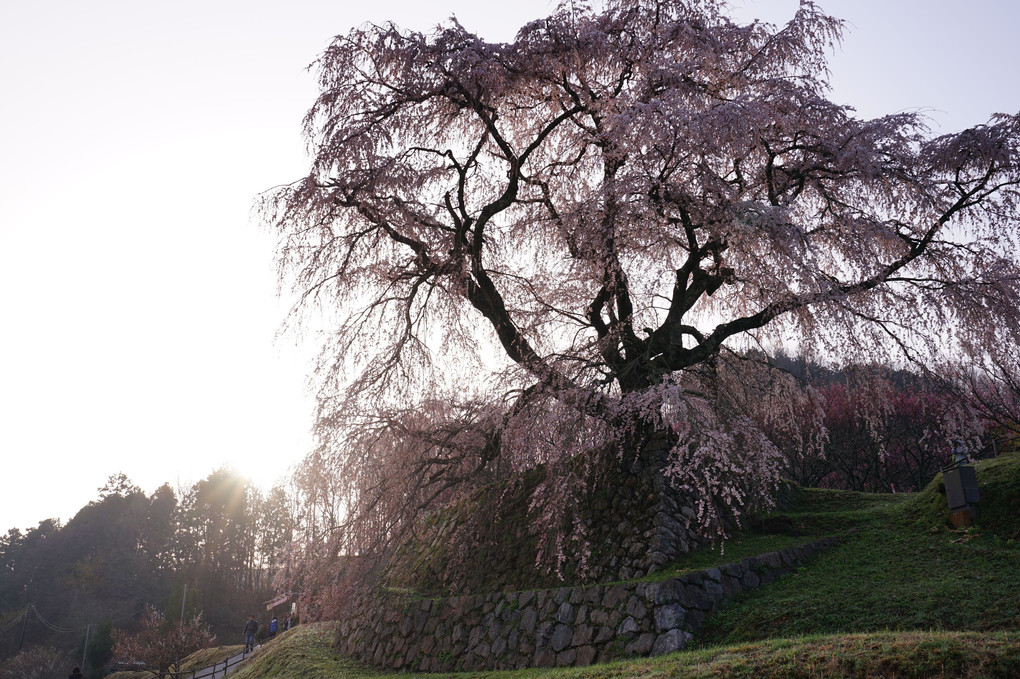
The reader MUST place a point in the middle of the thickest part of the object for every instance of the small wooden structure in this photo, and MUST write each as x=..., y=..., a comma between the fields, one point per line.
x=282, y=600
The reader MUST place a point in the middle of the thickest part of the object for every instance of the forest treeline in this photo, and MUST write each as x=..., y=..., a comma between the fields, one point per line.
x=222, y=541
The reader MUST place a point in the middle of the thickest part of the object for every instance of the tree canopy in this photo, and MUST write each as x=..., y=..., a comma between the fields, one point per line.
x=621, y=202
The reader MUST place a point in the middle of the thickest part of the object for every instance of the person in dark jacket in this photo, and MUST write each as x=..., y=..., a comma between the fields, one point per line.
x=76, y=674
x=250, y=630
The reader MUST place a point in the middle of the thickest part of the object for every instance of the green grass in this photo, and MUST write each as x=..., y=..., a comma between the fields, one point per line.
x=902, y=568
x=209, y=656
x=728, y=551
x=810, y=514
x=886, y=576
x=305, y=651
x=999, y=509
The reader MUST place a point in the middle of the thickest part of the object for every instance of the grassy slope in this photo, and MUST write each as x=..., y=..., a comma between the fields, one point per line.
x=903, y=569
x=305, y=651
x=818, y=514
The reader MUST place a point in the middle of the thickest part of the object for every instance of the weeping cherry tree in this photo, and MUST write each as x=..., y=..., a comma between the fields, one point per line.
x=521, y=251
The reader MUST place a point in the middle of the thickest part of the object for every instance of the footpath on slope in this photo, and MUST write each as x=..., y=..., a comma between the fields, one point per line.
x=220, y=669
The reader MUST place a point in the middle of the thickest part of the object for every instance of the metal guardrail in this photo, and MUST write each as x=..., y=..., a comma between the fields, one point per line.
x=215, y=671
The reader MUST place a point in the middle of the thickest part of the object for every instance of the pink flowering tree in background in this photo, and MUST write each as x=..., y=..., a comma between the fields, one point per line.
x=884, y=436
x=869, y=427
x=35, y=662
x=162, y=644
x=518, y=253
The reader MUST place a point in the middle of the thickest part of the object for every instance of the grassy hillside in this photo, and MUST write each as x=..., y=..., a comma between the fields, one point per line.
x=902, y=569
x=999, y=511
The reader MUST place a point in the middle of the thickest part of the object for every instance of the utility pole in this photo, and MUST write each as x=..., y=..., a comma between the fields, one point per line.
x=184, y=599
x=84, y=650
x=24, y=629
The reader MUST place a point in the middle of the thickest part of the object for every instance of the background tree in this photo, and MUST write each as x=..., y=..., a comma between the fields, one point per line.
x=220, y=526
x=37, y=662
x=93, y=568
x=102, y=543
x=276, y=527
x=161, y=530
x=992, y=385
x=118, y=484
x=161, y=644
x=125, y=550
x=37, y=560
x=873, y=428
x=889, y=432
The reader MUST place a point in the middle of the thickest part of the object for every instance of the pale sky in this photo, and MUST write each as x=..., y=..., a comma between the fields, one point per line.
x=137, y=297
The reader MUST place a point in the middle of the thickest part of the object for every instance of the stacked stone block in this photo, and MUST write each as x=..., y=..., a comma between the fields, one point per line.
x=553, y=627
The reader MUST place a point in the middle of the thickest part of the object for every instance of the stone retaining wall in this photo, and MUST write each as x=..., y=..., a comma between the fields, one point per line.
x=555, y=627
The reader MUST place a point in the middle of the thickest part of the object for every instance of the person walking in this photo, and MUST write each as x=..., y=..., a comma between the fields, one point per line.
x=76, y=674
x=250, y=630
x=274, y=627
